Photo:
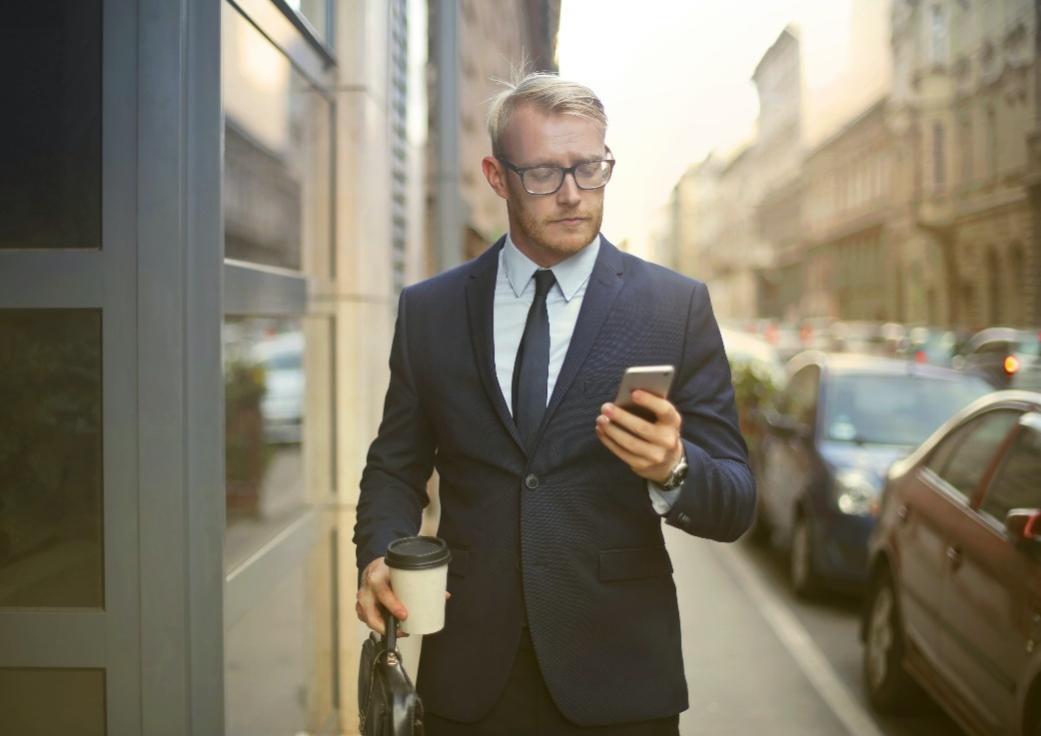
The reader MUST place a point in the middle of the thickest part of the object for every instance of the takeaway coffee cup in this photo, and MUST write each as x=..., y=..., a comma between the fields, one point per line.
x=419, y=578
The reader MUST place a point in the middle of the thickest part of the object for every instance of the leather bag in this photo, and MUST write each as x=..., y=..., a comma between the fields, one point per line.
x=387, y=701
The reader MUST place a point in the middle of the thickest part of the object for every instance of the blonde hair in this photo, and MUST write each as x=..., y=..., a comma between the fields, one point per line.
x=547, y=93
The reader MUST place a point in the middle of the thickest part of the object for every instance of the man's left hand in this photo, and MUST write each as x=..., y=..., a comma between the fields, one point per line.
x=650, y=449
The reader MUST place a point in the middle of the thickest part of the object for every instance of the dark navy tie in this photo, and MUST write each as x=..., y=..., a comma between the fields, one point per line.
x=531, y=370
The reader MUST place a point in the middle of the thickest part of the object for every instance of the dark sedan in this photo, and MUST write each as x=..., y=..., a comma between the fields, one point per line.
x=841, y=421
x=955, y=596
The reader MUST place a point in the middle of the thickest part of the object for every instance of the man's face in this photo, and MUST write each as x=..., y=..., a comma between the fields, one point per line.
x=549, y=228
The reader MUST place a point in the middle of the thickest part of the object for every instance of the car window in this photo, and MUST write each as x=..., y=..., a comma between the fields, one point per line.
x=1017, y=484
x=945, y=450
x=983, y=437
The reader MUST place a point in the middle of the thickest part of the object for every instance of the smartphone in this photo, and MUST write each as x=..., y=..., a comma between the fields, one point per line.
x=655, y=379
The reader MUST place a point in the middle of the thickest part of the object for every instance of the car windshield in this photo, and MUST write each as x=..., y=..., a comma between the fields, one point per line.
x=894, y=409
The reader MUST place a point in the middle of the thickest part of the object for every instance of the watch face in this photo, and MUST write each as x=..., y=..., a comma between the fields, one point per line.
x=679, y=475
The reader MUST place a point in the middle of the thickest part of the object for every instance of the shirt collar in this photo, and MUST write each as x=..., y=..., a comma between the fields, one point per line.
x=571, y=273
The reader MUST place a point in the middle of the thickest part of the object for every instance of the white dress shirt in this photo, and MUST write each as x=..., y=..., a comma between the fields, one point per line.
x=514, y=292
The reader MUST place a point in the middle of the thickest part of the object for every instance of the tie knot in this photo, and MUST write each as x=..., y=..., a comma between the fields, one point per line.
x=544, y=281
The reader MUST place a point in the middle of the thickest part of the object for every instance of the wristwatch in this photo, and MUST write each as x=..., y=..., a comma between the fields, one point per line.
x=677, y=476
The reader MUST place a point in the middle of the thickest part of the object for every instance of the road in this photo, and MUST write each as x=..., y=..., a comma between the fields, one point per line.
x=760, y=660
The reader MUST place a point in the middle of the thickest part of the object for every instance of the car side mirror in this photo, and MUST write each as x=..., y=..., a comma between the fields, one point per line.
x=1024, y=525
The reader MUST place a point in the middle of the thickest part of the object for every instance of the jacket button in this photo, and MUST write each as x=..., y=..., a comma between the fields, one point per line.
x=532, y=482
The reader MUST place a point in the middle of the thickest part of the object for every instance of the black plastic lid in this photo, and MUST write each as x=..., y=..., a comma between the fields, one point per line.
x=417, y=553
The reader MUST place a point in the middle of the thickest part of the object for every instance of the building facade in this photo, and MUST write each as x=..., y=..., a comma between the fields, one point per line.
x=694, y=222
x=851, y=254
x=198, y=278
x=781, y=151
x=473, y=44
x=965, y=102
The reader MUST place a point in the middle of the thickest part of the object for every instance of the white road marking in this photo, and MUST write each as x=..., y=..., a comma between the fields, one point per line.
x=797, y=640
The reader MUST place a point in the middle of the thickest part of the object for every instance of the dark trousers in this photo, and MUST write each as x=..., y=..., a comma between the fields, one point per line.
x=526, y=708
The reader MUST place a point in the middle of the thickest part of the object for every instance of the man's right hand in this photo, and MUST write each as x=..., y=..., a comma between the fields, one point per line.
x=374, y=591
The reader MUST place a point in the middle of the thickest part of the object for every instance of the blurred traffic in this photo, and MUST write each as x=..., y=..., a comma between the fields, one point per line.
x=901, y=466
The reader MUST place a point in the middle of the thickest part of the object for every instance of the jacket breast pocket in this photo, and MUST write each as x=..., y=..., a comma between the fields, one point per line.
x=634, y=563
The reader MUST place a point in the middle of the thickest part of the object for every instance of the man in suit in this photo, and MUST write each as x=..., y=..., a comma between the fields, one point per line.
x=563, y=615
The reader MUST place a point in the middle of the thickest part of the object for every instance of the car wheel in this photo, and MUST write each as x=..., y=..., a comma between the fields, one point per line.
x=800, y=560
x=889, y=688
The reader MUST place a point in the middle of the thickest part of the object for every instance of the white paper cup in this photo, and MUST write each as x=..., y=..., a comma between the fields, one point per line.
x=419, y=578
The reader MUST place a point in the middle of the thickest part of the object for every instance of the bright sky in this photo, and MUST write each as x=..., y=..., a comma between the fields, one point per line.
x=674, y=76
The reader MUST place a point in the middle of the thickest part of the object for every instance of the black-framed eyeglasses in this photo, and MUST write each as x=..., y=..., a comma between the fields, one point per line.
x=542, y=180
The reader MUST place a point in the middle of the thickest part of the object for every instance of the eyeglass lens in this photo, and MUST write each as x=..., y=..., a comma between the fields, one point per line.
x=547, y=179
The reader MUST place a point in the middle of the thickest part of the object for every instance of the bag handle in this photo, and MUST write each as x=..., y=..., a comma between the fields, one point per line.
x=390, y=638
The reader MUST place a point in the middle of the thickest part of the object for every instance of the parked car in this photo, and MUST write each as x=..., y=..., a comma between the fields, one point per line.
x=814, y=332
x=1006, y=357
x=787, y=340
x=282, y=405
x=955, y=592
x=748, y=349
x=841, y=421
x=856, y=337
x=933, y=345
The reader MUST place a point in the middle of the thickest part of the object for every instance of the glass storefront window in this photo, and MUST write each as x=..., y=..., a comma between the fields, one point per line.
x=51, y=542
x=52, y=701
x=50, y=130
x=279, y=655
x=277, y=173
x=265, y=397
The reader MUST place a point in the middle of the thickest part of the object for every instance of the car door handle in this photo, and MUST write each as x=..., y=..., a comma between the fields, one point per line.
x=954, y=557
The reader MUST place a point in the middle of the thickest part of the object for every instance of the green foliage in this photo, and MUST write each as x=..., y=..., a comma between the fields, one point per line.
x=246, y=453
x=754, y=386
x=755, y=391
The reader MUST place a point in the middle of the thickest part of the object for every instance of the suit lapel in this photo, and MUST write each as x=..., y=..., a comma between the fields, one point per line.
x=604, y=285
x=480, y=307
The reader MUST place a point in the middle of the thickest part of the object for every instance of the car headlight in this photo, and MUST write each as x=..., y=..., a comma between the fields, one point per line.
x=856, y=493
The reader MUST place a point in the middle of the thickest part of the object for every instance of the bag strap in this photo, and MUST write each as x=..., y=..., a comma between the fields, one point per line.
x=390, y=638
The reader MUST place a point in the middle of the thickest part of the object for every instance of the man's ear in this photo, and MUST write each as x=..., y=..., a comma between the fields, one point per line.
x=495, y=173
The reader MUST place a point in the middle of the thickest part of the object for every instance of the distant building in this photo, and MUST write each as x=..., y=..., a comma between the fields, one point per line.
x=738, y=252
x=850, y=255
x=695, y=219
x=966, y=107
x=780, y=151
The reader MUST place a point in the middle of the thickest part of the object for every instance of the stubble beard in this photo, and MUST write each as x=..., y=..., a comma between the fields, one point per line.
x=555, y=240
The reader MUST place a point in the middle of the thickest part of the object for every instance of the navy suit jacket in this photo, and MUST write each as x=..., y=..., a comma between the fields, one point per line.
x=565, y=530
